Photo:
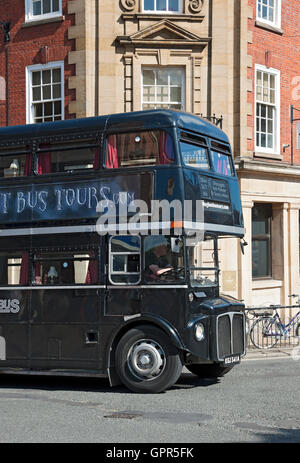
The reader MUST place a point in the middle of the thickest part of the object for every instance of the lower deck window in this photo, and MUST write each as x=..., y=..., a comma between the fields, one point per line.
x=124, y=260
x=14, y=268
x=65, y=268
x=53, y=259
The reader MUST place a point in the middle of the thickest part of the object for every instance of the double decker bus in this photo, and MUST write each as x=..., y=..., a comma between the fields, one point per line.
x=77, y=298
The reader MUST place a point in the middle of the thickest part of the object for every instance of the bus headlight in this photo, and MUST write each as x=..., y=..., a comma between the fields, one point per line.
x=199, y=332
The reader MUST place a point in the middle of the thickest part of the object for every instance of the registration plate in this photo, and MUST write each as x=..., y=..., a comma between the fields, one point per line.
x=231, y=360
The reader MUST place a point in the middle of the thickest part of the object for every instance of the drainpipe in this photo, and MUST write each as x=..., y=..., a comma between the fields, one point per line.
x=6, y=29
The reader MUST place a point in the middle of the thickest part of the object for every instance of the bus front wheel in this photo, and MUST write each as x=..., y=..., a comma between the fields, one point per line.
x=146, y=361
x=214, y=370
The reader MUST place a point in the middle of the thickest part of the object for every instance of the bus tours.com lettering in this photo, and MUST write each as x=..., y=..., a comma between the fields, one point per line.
x=60, y=199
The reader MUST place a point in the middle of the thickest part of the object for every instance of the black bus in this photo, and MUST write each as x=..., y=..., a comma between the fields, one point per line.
x=133, y=307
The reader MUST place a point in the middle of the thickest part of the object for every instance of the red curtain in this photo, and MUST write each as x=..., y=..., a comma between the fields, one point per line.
x=96, y=159
x=166, y=152
x=92, y=273
x=24, y=275
x=27, y=167
x=37, y=273
x=112, y=153
x=44, y=163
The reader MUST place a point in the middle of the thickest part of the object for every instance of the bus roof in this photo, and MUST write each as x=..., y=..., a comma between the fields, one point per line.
x=140, y=120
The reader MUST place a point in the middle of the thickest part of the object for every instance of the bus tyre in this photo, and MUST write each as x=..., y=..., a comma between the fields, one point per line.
x=214, y=370
x=146, y=361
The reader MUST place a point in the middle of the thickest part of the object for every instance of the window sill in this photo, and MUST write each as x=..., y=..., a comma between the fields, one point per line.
x=266, y=283
x=155, y=16
x=274, y=156
x=38, y=22
x=269, y=27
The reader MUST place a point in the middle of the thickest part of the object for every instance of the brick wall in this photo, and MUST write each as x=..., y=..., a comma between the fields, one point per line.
x=282, y=52
x=35, y=44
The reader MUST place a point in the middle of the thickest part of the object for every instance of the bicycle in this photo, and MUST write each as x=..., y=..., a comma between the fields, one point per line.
x=268, y=329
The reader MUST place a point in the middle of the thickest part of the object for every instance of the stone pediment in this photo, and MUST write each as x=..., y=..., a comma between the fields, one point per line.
x=163, y=33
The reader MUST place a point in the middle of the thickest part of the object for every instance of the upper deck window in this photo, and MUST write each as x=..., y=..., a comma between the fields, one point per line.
x=163, y=6
x=66, y=160
x=222, y=163
x=139, y=149
x=15, y=165
x=194, y=155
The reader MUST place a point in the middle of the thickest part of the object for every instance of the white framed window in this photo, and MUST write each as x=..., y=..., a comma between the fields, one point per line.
x=163, y=87
x=162, y=6
x=42, y=9
x=267, y=102
x=45, y=92
x=269, y=11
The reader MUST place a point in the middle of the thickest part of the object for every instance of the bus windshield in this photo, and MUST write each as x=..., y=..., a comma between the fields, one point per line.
x=203, y=263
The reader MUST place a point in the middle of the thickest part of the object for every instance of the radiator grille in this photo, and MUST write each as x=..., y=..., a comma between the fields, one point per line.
x=230, y=335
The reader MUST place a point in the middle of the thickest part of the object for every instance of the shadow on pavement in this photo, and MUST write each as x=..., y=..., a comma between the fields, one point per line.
x=67, y=383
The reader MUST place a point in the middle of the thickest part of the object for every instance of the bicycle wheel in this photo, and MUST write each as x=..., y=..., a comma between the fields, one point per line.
x=265, y=333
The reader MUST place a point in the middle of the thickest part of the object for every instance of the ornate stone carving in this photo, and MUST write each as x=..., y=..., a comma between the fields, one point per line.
x=128, y=5
x=196, y=5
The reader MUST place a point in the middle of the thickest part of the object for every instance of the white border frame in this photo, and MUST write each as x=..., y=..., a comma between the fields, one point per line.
x=40, y=67
x=30, y=17
x=277, y=22
x=276, y=150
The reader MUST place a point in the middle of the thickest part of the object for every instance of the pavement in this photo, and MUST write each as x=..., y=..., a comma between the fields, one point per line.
x=280, y=352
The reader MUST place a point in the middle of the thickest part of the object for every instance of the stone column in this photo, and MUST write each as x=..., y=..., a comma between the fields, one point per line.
x=293, y=252
x=245, y=260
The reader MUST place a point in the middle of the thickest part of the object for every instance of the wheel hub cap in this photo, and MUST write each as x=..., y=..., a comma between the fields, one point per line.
x=146, y=359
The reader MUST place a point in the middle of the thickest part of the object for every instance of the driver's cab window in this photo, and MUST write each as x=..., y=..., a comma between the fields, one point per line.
x=163, y=259
x=203, y=263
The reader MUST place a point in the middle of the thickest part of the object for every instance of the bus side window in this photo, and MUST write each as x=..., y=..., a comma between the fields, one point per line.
x=139, y=149
x=15, y=165
x=124, y=260
x=65, y=268
x=221, y=163
x=14, y=268
x=54, y=159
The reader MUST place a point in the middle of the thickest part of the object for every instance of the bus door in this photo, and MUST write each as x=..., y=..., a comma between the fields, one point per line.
x=14, y=301
x=65, y=304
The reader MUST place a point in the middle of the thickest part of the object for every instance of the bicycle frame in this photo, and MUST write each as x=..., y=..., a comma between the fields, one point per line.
x=285, y=328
